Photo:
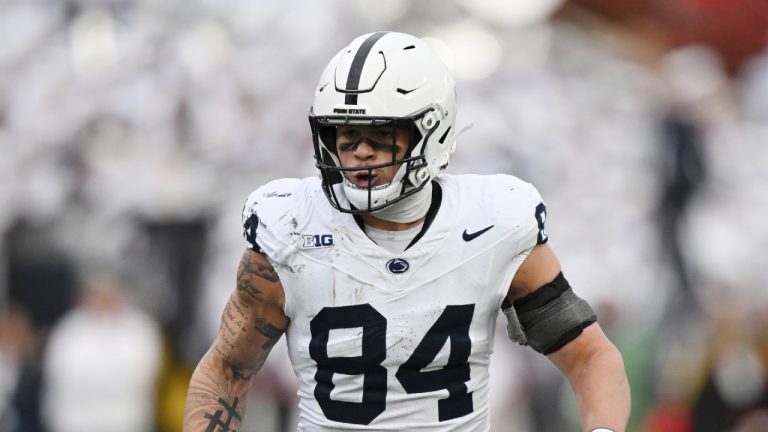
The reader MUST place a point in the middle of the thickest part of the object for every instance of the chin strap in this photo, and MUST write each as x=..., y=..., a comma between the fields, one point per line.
x=409, y=209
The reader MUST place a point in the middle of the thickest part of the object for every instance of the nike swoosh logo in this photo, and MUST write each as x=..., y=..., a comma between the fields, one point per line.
x=469, y=237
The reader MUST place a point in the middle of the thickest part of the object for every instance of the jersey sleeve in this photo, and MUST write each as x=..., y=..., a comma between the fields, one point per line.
x=523, y=211
x=268, y=215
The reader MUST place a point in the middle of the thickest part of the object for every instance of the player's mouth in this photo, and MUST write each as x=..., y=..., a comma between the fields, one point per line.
x=363, y=179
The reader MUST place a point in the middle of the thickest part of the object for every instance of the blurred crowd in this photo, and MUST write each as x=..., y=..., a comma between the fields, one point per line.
x=131, y=132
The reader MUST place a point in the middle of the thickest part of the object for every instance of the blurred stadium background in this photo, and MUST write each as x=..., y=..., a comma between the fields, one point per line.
x=131, y=132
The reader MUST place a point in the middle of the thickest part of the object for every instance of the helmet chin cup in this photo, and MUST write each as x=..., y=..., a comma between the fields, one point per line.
x=358, y=197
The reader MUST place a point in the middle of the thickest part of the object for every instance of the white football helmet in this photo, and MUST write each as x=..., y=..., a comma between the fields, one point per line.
x=384, y=79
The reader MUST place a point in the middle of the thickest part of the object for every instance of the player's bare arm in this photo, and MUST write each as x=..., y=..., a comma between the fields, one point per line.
x=595, y=369
x=252, y=322
x=592, y=364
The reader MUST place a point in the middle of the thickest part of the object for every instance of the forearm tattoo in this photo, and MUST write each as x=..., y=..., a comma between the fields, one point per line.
x=251, y=325
x=232, y=324
x=222, y=419
x=242, y=374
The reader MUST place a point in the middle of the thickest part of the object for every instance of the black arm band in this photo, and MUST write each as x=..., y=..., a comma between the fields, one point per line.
x=553, y=315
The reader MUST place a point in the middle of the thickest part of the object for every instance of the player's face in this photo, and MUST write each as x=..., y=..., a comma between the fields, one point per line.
x=366, y=146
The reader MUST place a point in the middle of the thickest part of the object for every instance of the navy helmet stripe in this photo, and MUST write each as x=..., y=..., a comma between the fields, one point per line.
x=356, y=70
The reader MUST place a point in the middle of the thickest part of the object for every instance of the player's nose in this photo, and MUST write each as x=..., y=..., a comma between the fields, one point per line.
x=364, y=150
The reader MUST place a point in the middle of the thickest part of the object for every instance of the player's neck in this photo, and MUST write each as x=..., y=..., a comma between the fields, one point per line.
x=386, y=225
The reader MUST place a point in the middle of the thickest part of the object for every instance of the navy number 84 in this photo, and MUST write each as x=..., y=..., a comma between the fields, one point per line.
x=452, y=324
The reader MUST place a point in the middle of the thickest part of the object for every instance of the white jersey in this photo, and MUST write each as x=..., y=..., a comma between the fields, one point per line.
x=395, y=341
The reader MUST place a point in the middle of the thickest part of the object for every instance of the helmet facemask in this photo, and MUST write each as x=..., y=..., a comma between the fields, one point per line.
x=411, y=176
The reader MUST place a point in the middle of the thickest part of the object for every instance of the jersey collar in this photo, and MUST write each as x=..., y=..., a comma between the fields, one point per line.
x=437, y=199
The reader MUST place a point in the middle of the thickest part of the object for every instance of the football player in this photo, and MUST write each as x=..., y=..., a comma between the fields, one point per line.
x=387, y=276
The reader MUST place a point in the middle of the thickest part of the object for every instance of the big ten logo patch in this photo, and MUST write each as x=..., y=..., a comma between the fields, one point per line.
x=314, y=241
